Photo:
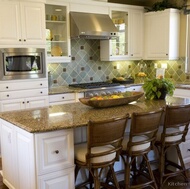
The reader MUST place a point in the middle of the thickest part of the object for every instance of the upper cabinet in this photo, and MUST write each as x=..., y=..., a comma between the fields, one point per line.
x=22, y=23
x=162, y=35
x=129, y=43
x=57, y=33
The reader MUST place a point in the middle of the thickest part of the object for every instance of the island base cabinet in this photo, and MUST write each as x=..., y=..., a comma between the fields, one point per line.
x=57, y=180
x=18, y=158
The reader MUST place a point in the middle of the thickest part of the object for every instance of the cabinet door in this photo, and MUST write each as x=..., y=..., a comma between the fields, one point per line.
x=10, y=24
x=7, y=150
x=10, y=105
x=129, y=43
x=136, y=34
x=162, y=34
x=33, y=25
x=57, y=33
x=57, y=180
x=36, y=102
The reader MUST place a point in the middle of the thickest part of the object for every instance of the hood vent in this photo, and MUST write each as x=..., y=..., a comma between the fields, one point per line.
x=91, y=26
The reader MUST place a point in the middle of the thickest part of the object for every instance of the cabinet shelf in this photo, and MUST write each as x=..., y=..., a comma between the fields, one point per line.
x=56, y=22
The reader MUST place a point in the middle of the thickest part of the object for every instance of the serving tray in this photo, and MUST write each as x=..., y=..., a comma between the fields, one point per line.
x=111, y=102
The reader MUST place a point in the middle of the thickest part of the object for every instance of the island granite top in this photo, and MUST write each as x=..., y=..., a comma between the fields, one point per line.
x=73, y=115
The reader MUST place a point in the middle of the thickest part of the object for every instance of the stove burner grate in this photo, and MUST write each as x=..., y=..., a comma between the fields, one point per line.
x=94, y=85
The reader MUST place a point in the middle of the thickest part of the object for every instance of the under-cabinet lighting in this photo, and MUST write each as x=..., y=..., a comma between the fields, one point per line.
x=57, y=114
x=58, y=10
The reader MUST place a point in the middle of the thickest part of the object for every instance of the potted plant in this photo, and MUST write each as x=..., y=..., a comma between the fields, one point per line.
x=158, y=88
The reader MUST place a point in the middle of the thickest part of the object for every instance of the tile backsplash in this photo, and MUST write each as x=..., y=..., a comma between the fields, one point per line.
x=87, y=67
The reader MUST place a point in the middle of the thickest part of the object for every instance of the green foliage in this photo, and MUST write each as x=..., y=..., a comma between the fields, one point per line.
x=154, y=87
x=165, y=4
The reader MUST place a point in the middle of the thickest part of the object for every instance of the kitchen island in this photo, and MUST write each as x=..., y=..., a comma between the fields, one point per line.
x=37, y=145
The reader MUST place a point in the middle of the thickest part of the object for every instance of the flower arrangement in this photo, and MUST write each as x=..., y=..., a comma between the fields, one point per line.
x=157, y=88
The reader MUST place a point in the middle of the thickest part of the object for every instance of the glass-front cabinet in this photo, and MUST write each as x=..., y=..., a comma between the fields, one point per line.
x=57, y=34
x=128, y=44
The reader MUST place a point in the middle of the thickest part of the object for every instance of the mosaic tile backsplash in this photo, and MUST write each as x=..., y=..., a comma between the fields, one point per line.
x=87, y=67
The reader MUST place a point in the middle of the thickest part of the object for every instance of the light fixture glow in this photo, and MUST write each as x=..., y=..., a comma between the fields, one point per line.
x=58, y=10
x=56, y=114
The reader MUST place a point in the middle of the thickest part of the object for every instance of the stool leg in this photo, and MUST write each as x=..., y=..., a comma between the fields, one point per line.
x=182, y=163
x=96, y=179
x=114, y=177
x=127, y=173
x=161, y=166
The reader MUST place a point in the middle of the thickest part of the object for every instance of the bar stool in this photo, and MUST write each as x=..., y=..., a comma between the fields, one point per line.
x=137, y=145
x=103, y=147
x=171, y=135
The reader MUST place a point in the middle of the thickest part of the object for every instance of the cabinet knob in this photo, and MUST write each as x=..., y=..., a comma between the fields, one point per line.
x=63, y=97
x=27, y=101
x=56, y=151
x=41, y=92
x=7, y=95
x=24, y=39
x=188, y=150
x=23, y=102
x=166, y=54
x=20, y=40
x=41, y=84
x=7, y=87
x=131, y=54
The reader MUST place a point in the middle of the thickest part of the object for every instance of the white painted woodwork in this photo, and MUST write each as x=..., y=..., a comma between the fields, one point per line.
x=22, y=23
x=162, y=30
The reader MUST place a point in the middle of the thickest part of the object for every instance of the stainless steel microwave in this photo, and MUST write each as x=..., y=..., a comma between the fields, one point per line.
x=22, y=63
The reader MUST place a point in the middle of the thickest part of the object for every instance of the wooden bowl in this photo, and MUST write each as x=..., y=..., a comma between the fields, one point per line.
x=111, y=102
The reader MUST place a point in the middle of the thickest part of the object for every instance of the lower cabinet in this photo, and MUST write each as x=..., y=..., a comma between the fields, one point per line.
x=25, y=103
x=37, y=160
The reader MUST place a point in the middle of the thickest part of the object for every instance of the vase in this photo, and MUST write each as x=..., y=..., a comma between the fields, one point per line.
x=163, y=94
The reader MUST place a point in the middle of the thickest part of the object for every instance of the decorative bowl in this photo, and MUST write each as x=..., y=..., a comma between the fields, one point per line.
x=111, y=102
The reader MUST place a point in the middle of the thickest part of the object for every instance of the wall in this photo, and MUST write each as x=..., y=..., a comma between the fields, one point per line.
x=87, y=67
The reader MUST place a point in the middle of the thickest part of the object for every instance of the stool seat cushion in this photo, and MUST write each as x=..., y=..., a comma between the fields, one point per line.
x=138, y=147
x=81, y=151
x=168, y=131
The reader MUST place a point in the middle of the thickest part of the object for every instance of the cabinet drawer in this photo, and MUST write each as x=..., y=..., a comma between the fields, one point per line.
x=23, y=94
x=61, y=97
x=55, y=151
x=23, y=85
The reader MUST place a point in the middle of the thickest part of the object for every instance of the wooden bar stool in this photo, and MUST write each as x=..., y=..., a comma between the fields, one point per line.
x=138, y=144
x=103, y=147
x=171, y=135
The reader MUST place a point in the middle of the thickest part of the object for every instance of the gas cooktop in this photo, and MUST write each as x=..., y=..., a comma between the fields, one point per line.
x=94, y=85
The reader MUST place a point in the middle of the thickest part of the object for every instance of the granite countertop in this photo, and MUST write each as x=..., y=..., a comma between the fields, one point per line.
x=76, y=114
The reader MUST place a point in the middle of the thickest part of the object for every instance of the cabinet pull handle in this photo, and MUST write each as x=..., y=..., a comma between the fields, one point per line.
x=56, y=151
x=188, y=150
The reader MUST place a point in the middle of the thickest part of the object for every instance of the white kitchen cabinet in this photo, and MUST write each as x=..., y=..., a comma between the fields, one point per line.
x=162, y=35
x=185, y=146
x=61, y=98
x=129, y=44
x=22, y=23
x=18, y=157
x=37, y=160
x=57, y=32
x=25, y=103
x=23, y=95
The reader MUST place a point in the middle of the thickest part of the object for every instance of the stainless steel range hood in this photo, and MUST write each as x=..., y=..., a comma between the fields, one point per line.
x=91, y=26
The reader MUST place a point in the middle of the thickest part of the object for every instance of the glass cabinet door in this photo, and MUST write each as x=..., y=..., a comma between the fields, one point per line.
x=120, y=44
x=56, y=33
